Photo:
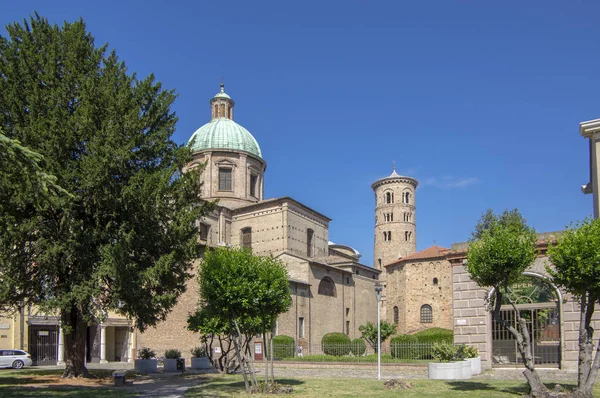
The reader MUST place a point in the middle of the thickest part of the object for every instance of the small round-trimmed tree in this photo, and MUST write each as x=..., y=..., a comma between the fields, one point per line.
x=358, y=347
x=337, y=344
x=283, y=347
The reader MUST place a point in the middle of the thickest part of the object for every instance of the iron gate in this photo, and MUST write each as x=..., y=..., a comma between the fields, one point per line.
x=543, y=322
x=43, y=344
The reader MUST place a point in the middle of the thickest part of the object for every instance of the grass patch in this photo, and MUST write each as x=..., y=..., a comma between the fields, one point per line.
x=229, y=385
x=48, y=383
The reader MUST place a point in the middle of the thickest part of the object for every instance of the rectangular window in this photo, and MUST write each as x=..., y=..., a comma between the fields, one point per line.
x=204, y=230
x=301, y=327
x=247, y=238
x=225, y=180
x=348, y=327
x=347, y=312
x=253, y=185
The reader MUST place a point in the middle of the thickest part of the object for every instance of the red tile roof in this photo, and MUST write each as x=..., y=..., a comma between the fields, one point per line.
x=430, y=252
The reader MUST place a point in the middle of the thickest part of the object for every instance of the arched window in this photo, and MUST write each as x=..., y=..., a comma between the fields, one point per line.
x=426, y=314
x=435, y=281
x=389, y=197
x=395, y=315
x=327, y=287
x=406, y=197
x=379, y=261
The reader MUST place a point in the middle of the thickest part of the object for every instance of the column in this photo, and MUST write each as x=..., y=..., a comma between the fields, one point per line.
x=60, y=360
x=103, y=343
x=133, y=345
x=591, y=130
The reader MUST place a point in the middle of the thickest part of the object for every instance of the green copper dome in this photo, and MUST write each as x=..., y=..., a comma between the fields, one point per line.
x=224, y=133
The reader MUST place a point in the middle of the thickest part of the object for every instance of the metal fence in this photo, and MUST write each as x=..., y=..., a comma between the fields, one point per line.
x=394, y=352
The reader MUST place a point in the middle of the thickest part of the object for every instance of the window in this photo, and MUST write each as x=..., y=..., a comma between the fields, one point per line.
x=225, y=179
x=435, y=281
x=309, y=242
x=348, y=327
x=395, y=315
x=301, y=327
x=347, y=312
x=379, y=262
x=406, y=197
x=407, y=236
x=387, y=235
x=253, y=185
x=389, y=197
x=247, y=238
x=388, y=217
x=407, y=217
x=426, y=314
x=204, y=231
x=327, y=287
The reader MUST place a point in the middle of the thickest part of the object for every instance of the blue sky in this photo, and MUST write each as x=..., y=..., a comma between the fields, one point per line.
x=480, y=101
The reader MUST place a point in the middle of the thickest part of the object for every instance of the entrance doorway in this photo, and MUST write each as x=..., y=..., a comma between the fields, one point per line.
x=537, y=301
x=43, y=344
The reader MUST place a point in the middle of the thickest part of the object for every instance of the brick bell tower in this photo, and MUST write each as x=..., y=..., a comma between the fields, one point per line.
x=395, y=219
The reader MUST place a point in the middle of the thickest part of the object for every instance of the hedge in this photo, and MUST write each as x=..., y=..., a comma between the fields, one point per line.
x=283, y=347
x=418, y=345
x=358, y=347
x=337, y=344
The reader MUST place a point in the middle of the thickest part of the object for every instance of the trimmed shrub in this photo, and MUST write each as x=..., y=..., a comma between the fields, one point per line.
x=471, y=352
x=172, y=354
x=146, y=353
x=444, y=352
x=358, y=347
x=283, y=347
x=337, y=344
x=404, y=346
x=435, y=335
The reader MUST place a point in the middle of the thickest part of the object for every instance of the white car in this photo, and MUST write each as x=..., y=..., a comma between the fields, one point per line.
x=16, y=359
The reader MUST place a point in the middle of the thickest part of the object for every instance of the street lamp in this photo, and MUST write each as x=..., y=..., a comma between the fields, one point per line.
x=378, y=289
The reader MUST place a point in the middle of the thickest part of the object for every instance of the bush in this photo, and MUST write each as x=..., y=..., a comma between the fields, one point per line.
x=471, y=352
x=146, y=353
x=404, y=346
x=283, y=347
x=337, y=344
x=435, y=335
x=172, y=354
x=358, y=347
x=198, y=352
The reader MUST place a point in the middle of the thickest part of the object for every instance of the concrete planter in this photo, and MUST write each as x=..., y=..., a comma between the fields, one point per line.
x=201, y=363
x=170, y=365
x=475, y=365
x=145, y=365
x=449, y=370
x=465, y=370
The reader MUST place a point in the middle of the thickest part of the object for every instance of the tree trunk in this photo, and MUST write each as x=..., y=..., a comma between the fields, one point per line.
x=265, y=357
x=75, y=341
x=588, y=360
x=536, y=387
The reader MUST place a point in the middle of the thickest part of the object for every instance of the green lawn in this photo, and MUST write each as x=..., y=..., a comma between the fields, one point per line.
x=227, y=386
x=32, y=383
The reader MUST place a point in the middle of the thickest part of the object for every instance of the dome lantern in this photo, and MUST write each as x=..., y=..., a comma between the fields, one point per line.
x=222, y=105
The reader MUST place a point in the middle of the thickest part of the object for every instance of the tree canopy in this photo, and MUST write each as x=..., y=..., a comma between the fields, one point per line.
x=575, y=267
x=502, y=248
x=241, y=295
x=369, y=332
x=124, y=237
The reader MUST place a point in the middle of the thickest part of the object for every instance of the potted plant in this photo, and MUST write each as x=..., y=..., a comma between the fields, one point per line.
x=146, y=362
x=170, y=361
x=450, y=365
x=472, y=356
x=200, y=359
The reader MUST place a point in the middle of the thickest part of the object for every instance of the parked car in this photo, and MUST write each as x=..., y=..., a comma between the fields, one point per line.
x=16, y=359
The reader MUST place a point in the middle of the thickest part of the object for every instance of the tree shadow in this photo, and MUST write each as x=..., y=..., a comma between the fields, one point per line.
x=481, y=386
x=218, y=387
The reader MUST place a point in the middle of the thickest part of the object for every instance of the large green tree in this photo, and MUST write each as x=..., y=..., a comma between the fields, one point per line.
x=502, y=248
x=124, y=237
x=241, y=295
x=576, y=268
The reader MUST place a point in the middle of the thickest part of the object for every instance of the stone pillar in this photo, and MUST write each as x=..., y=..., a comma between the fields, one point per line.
x=133, y=346
x=591, y=130
x=103, y=344
x=60, y=360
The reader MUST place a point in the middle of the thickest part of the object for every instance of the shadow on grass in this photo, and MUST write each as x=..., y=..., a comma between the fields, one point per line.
x=61, y=391
x=481, y=386
x=224, y=386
